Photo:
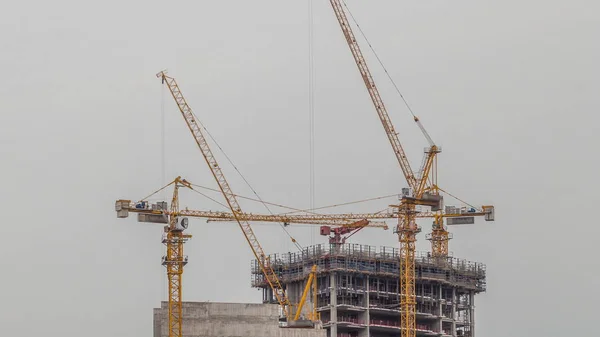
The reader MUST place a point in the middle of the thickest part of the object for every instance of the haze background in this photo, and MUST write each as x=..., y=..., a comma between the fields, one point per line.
x=509, y=90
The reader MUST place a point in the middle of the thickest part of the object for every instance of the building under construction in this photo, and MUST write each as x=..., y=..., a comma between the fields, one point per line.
x=358, y=289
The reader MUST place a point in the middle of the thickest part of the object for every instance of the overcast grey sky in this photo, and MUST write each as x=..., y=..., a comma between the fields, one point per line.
x=508, y=88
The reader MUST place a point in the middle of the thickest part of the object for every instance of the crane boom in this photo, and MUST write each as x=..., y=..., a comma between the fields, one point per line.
x=231, y=199
x=338, y=219
x=423, y=184
x=374, y=93
x=426, y=169
x=343, y=219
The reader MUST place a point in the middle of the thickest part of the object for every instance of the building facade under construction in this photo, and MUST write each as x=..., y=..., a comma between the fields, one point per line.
x=357, y=289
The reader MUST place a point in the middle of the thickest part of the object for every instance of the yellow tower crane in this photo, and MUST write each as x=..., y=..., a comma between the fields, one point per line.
x=174, y=260
x=231, y=199
x=407, y=227
x=174, y=238
x=422, y=187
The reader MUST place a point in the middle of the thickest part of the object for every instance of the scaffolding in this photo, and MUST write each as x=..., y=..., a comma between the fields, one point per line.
x=358, y=289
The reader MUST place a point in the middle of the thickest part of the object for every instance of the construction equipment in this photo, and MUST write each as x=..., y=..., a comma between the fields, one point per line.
x=174, y=238
x=231, y=199
x=174, y=260
x=336, y=225
x=337, y=217
x=422, y=190
x=313, y=316
x=440, y=236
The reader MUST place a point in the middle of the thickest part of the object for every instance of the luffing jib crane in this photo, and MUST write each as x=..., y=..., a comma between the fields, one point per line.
x=174, y=260
x=407, y=228
x=422, y=190
x=159, y=212
x=195, y=129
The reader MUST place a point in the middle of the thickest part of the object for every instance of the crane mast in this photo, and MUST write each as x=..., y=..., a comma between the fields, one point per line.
x=231, y=199
x=174, y=238
x=344, y=219
x=174, y=261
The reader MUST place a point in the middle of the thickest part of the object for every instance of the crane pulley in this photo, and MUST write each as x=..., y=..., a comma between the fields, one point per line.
x=406, y=233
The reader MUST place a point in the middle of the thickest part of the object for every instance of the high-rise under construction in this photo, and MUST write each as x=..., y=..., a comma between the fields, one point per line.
x=357, y=293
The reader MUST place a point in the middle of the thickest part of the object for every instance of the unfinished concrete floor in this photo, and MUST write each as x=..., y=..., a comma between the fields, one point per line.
x=210, y=319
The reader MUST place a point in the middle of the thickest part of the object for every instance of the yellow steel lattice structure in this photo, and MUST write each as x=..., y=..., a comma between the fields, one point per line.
x=230, y=197
x=174, y=262
x=425, y=191
x=342, y=219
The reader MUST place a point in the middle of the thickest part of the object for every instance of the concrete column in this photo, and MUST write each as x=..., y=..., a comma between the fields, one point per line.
x=333, y=304
x=367, y=304
x=440, y=308
x=293, y=294
x=472, y=312
x=158, y=322
x=454, y=311
x=312, y=300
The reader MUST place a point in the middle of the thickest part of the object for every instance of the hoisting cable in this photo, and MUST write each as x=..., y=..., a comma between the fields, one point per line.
x=212, y=199
x=162, y=136
x=455, y=197
x=155, y=192
x=342, y=204
x=311, y=110
x=294, y=210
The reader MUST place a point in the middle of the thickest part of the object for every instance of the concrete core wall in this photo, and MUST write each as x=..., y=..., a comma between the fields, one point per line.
x=208, y=319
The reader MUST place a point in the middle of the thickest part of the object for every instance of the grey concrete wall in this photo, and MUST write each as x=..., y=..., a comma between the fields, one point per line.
x=207, y=319
x=157, y=321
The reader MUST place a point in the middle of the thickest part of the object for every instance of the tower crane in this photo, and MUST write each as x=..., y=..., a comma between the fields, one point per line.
x=231, y=199
x=174, y=237
x=407, y=228
x=422, y=187
x=334, y=224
